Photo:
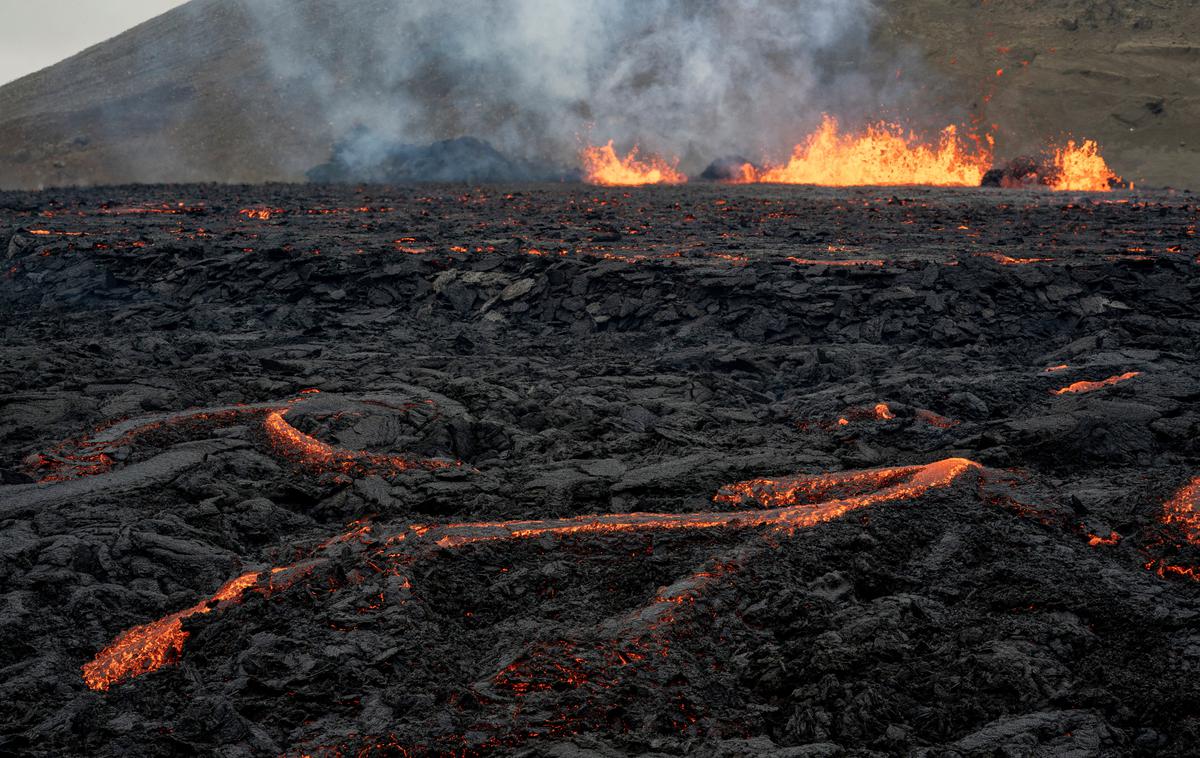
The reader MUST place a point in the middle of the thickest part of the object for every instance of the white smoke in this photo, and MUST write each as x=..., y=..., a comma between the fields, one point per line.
x=693, y=78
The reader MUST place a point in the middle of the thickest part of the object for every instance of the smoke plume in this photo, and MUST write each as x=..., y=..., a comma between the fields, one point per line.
x=536, y=78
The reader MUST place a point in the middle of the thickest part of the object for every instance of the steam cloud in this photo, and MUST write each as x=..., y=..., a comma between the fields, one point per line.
x=693, y=78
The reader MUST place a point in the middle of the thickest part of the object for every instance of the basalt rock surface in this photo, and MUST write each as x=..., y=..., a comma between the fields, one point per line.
x=547, y=353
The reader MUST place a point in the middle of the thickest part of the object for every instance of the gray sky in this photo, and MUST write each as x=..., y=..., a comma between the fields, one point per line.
x=38, y=33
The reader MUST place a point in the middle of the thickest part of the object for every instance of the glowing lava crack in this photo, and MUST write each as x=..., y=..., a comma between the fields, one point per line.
x=792, y=503
x=93, y=454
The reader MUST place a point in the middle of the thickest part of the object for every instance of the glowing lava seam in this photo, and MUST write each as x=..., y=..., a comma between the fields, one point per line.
x=798, y=499
x=1085, y=387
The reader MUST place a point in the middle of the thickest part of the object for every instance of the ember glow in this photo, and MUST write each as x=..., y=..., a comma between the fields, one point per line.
x=602, y=166
x=882, y=154
x=1085, y=387
x=1081, y=168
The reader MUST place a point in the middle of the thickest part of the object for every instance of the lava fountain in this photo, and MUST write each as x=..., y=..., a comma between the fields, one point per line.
x=883, y=154
x=602, y=166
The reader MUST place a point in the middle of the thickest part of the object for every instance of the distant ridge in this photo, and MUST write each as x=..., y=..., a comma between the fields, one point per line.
x=193, y=95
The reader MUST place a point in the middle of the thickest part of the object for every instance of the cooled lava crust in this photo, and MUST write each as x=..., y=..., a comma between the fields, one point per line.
x=565, y=471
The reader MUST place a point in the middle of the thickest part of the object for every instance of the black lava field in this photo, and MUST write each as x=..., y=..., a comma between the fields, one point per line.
x=555, y=470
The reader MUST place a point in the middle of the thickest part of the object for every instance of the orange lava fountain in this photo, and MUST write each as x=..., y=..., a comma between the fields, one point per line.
x=602, y=166
x=791, y=503
x=881, y=155
x=1082, y=169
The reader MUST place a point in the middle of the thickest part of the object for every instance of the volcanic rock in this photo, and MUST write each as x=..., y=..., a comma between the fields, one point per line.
x=437, y=481
x=363, y=157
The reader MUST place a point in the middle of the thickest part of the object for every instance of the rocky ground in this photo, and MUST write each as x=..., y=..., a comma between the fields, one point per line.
x=547, y=353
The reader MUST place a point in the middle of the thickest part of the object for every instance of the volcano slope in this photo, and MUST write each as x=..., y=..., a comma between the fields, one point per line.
x=568, y=471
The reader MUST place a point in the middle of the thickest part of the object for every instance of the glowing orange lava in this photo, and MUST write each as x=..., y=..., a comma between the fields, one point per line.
x=842, y=263
x=883, y=412
x=1081, y=168
x=881, y=155
x=260, y=214
x=147, y=648
x=1183, y=511
x=602, y=166
x=323, y=457
x=1007, y=260
x=1084, y=387
x=790, y=504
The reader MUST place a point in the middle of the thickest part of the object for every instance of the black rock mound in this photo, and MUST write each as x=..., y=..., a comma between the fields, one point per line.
x=363, y=157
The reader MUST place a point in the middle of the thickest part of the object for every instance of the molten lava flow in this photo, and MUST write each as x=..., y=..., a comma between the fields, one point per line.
x=792, y=503
x=602, y=165
x=1007, y=260
x=1096, y=540
x=147, y=648
x=883, y=412
x=323, y=457
x=260, y=214
x=1183, y=511
x=845, y=262
x=93, y=454
x=1083, y=387
x=1082, y=169
x=935, y=420
x=881, y=155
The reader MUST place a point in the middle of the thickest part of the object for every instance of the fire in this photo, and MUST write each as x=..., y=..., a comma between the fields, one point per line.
x=881, y=155
x=602, y=165
x=1083, y=387
x=147, y=648
x=1081, y=168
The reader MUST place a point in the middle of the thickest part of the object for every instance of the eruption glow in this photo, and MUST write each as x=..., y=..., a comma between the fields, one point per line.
x=602, y=165
x=881, y=155
x=1082, y=169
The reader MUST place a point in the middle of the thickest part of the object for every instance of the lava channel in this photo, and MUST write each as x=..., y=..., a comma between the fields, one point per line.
x=797, y=502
